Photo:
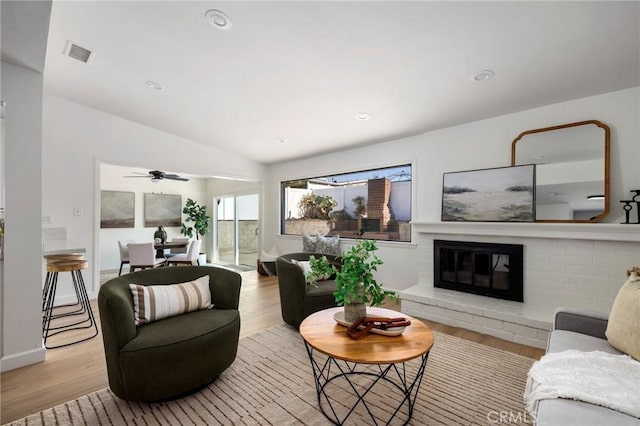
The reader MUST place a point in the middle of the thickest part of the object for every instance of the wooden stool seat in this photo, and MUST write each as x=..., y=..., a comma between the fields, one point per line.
x=67, y=265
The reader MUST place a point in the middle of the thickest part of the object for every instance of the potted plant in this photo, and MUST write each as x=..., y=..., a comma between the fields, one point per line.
x=197, y=215
x=356, y=286
x=317, y=206
x=359, y=210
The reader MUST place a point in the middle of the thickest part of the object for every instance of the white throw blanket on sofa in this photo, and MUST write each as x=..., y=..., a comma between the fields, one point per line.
x=596, y=377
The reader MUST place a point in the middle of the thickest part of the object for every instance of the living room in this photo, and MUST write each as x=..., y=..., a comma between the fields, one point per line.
x=73, y=139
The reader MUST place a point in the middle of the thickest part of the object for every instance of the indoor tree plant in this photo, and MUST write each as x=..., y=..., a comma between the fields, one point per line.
x=356, y=285
x=197, y=215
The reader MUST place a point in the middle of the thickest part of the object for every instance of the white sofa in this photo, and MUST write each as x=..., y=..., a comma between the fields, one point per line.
x=583, y=331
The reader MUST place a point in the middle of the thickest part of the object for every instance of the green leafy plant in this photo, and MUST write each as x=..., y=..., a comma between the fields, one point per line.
x=354, y=280
x=197, y=215
x=316, y=206
x=360, y=206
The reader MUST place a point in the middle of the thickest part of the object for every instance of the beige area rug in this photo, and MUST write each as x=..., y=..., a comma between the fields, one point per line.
x=271, y=383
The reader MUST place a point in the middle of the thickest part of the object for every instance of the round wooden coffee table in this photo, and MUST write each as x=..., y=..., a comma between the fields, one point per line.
x=375, y=379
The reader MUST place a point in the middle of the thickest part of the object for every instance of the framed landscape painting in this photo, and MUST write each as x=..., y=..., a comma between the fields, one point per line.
x=504, y=194
x=162, y=210
x=117, y=209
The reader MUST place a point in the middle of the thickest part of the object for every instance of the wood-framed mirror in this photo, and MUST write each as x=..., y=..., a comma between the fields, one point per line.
x=572, y=170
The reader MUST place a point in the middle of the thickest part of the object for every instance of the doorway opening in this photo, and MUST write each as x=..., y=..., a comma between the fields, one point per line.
x=236, y=231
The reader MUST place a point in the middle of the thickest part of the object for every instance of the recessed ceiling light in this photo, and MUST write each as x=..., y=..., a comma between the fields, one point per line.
x=362, y=116
x=218, y=19
x=484, y=75
x=154, y=85
x=595, y=197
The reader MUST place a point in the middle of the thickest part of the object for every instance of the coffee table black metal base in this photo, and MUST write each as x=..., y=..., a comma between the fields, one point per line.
x=356, y=386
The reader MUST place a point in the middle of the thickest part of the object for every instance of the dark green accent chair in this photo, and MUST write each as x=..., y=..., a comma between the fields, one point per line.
x=298, y=300
x=176, y=355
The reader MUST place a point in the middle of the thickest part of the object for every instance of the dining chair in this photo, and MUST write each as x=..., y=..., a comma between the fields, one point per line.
x=179, y=250
x=124, y=253
x=190, y=258
x=143, y=256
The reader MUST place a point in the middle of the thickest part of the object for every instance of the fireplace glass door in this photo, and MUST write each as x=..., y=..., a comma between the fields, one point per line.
x=488, y=269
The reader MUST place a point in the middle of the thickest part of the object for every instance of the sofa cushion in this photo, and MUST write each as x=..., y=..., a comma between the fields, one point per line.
x=321, y=244
x=305, y=266
x=328, y=245
x=309, y=243
x=175, y=330
x=562, y=340
x=154, y=302
x=623, y=329
x=565, y=412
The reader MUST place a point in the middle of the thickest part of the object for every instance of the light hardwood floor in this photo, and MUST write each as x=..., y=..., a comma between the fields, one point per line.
x=79, y=369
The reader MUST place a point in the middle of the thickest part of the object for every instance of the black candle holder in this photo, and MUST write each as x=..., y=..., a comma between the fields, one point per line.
x=627, y=207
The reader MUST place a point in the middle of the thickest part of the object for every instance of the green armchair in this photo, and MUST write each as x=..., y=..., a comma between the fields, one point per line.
x=298, y=300
x=176, y=355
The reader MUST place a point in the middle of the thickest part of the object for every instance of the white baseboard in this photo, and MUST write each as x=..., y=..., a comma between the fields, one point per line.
x=11, y=362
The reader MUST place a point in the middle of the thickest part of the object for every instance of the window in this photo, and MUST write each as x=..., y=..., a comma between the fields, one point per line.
x=373, y=204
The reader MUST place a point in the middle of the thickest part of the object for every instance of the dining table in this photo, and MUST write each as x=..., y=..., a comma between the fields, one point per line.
x=161, y=247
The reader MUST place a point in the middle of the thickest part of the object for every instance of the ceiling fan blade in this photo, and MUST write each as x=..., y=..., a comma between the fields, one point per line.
x=140, y=176
x=175, y=177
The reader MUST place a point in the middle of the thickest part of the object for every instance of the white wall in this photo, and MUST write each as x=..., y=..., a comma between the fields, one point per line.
x=22, y=283
x=77, y=139
x=481, y=144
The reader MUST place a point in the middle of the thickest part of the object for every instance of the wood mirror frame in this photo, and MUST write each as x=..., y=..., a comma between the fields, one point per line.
x=577, y=155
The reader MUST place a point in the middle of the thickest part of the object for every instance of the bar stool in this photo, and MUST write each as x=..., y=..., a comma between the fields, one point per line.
x=73, y=263
x=55, y=258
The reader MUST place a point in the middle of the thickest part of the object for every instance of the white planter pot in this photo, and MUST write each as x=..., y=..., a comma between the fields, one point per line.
x=202, y=259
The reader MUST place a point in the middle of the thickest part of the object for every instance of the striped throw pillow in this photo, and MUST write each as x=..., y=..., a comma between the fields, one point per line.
x=154, y=302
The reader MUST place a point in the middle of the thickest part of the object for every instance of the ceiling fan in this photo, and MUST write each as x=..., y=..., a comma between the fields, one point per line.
x=158, y=175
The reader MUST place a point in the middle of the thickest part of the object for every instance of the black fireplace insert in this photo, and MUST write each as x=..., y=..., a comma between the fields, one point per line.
x=488, y=269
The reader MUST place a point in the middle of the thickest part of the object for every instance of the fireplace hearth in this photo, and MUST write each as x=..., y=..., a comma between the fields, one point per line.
x=488, y=269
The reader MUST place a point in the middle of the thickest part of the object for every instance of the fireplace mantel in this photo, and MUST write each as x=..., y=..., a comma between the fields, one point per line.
x=577, y=231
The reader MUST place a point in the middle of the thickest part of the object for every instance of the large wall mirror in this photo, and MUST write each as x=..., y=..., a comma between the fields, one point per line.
x=572, y=170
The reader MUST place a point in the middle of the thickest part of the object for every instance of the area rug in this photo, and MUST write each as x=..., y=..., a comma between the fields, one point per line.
x=271, y=383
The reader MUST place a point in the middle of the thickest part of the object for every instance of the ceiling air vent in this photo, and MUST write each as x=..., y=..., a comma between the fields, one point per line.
x=74, y=51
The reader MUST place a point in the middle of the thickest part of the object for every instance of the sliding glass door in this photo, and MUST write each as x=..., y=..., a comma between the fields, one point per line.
x=237, y=229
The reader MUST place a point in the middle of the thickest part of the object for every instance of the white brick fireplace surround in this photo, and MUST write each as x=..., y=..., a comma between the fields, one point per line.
x=572, y=265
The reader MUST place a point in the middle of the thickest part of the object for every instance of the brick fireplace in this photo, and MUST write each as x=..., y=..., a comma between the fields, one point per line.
x=573, y=265
x=378, y=196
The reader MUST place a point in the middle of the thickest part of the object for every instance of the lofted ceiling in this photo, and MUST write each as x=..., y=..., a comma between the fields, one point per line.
x=288, y=79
